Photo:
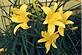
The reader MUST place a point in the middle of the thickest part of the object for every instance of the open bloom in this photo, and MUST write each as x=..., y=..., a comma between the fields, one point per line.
x=49, y=39
x=64, y=19
x=20, y=16
x=52, y=18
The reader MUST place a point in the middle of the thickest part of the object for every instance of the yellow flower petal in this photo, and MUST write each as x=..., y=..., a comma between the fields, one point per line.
x=74, y=28
x=14, y=18
x=44, y=34
x=46, y=20
x=58, y=23
x=51, y=28
x=57, y=16
x=23, y=8
x=54, y=45
x=25, y=26
x=67, y=14
x=18, y=19
x=52, y=18
x=47, y=45
x=15, y=10
x=46, y=10
x=61, y=9
x=69, y=22
x=15, y=29
x=42, y=40
x=55, y=7
x=28, y=13
x=61, y=31
x=25, y=14
x=54, y=36
x=22, y=25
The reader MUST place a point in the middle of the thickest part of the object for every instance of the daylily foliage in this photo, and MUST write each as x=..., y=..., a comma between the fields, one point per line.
x=56, y=20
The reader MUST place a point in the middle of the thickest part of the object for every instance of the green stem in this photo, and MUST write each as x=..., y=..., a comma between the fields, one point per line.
x=14, y=45
x=24, y=45
x=72, y=43
x=30, y=43
x=22, y=51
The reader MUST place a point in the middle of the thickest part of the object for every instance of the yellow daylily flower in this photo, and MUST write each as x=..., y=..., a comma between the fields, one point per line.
x=64, y=19
x=65, y=16
x=52, y=19
x=20, y=16
x=49, y=39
